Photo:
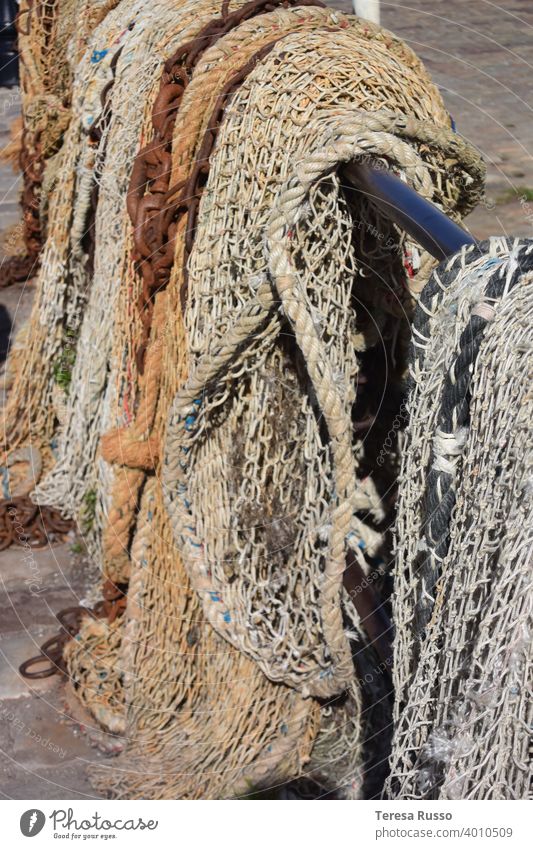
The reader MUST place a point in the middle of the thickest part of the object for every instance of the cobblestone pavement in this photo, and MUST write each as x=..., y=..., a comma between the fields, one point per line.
x=480, y=54
x=9, y=182
x=44, y=752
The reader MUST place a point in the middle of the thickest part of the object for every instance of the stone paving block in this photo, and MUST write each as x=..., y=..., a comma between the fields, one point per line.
x=33, y=568
x=38, y=733
x=64, y=782
x=44, y=755
x=22, y=608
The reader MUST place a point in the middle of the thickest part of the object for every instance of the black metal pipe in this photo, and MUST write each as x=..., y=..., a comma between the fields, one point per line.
x=420, y=218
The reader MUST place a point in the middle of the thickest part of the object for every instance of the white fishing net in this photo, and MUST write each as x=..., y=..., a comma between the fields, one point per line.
x=462, y=606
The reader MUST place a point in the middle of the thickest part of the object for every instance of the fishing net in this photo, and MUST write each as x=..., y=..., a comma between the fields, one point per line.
x=42, y=28
x=45, y=30
x=90, y=409
x=40, y=372
x=224, y=281
x=10, y=154
x=462, y=603
x=34, y=25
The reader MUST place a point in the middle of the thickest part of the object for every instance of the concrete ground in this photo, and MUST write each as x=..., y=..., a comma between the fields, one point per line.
x=480, y=55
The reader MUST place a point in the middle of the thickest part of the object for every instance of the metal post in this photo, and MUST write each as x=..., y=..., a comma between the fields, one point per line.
x=367, y=9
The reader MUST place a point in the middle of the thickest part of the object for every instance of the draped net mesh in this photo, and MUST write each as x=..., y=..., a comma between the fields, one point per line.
x=463, y=701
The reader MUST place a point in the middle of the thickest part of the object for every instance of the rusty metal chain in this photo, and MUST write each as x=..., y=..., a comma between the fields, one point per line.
x=50, y=660
x=155, y=207
x=24, y=523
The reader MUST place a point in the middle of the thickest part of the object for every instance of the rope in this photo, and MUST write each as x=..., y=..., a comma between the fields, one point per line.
x=137, y=451
x=153, y=217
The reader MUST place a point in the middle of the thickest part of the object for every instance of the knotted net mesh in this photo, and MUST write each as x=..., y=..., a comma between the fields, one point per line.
x=52, y=37
x=462, y=604
x=44, y=375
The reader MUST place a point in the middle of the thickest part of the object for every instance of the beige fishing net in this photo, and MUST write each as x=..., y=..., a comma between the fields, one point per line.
x=52, y=40
x=52, y=36
x=90, y=409
x=462, y=605
x=62, y=285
